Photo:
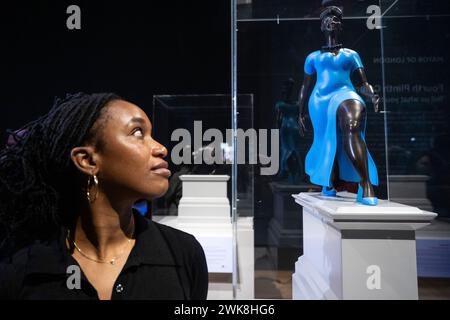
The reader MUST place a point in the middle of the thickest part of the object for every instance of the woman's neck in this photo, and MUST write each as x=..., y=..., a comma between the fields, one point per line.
x=102, y=230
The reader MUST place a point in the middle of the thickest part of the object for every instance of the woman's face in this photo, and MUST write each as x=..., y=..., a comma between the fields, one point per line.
x=130, y=162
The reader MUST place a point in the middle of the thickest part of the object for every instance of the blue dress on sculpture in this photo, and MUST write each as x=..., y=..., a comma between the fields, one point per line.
x=333, y=86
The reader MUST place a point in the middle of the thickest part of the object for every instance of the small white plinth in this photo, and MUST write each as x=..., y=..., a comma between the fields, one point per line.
x=204, y=199
x=204, y=211
x=353, y=251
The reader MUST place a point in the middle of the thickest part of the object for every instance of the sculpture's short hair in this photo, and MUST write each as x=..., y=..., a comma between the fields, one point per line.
x=331, y=10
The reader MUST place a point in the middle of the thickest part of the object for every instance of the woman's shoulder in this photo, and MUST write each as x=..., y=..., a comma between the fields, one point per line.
x=12, y=272
x=16, y=260
x=179, y=237
x=184, y=245
x=187, y=247
x=27, y=258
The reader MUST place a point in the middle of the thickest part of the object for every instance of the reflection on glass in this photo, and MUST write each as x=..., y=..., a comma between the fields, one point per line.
x=403, y=46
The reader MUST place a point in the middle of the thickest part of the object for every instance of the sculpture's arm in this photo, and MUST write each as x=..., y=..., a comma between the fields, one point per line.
x=367, y=90
x=303, y=98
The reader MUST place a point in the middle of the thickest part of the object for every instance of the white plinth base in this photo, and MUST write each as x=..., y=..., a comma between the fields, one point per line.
x=353, y=251
x=204, y=199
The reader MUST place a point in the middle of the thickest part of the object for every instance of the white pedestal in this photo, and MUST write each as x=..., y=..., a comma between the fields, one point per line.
x=204, y=212
x=204, y=199
x=353, y=251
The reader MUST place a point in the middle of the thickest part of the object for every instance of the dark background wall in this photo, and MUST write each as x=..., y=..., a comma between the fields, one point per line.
x=140, y=49
x=134, y=48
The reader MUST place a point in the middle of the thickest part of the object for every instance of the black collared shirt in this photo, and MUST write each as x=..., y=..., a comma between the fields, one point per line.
x=165, y=263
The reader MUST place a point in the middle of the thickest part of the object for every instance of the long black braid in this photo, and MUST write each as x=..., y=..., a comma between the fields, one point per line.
x=39, y=185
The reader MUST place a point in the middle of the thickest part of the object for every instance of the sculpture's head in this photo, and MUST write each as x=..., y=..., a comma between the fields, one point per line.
x=288, y=86
x=331, y=20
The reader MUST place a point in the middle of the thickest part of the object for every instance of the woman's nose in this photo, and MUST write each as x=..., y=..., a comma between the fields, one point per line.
x=159, y=150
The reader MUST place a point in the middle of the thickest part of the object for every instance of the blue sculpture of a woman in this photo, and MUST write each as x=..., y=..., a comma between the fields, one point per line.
x=338, y=115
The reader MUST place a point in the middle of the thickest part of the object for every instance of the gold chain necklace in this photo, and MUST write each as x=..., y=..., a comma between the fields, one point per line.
x=111, y=261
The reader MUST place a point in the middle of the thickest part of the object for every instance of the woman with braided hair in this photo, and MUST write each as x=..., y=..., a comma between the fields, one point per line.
x=68, y=182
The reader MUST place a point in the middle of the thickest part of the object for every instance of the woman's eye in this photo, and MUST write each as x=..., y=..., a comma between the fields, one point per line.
x=138, y=132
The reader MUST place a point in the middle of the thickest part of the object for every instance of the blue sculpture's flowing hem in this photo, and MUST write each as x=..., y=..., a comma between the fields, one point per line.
x=327, y=145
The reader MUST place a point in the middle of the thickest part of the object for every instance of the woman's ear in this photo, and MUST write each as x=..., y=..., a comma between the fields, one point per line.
x=84, y=158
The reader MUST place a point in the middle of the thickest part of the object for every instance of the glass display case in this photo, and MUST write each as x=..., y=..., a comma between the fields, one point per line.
x=198, y=125
x=198, y=131
x=255, y=130
x=402, y=46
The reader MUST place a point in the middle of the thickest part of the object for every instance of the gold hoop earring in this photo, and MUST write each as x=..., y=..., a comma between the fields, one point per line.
x=91, y=198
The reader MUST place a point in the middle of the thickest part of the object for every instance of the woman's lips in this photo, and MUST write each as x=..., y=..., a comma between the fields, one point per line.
x=163, y=172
